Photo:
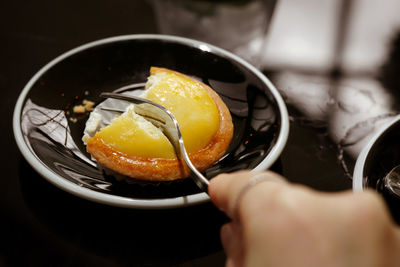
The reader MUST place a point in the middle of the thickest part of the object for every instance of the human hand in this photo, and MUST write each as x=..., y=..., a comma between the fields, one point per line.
x=276, y=223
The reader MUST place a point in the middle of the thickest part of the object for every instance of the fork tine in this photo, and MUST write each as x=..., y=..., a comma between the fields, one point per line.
x=148, y=117
x=112, y=109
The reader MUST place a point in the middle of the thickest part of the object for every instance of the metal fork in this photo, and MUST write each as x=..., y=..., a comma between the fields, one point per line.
x=165, y=120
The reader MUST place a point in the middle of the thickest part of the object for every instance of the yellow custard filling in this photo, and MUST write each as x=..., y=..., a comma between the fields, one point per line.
x=131, y=134
x=189, y=102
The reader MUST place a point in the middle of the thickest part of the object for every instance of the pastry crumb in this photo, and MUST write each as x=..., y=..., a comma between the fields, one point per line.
x=74, y=120
x=86, y=105
x=79, y=109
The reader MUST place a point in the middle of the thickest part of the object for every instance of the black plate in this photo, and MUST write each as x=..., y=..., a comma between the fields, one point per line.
x=49, y=134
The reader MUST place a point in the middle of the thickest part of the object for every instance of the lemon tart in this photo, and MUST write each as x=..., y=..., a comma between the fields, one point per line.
x=134, y=147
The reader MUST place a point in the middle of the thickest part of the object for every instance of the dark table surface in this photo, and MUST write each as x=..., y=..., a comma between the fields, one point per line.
x=45, y=226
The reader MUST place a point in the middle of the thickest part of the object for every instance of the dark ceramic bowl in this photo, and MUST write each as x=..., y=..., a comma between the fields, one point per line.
x=380, y=155
x=49, y=134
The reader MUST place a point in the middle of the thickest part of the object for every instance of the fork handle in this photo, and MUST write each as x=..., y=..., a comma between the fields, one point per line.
x=201, y=181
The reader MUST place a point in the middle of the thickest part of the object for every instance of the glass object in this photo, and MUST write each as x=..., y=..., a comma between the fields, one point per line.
x=239, y=26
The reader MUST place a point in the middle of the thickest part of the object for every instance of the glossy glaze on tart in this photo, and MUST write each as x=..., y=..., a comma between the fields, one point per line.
x=134, y=147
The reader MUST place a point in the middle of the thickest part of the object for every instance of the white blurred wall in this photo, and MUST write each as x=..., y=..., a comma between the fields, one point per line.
x=303, y=34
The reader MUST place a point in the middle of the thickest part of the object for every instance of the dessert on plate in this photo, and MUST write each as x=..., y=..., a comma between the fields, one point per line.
x=134, y=147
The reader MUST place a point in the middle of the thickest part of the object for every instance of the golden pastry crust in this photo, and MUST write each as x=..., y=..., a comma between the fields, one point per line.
x=159, y=169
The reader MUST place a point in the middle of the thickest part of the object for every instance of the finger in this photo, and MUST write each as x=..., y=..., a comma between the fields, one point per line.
x=225, y=190
x=232, y=242
x=229, y=236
